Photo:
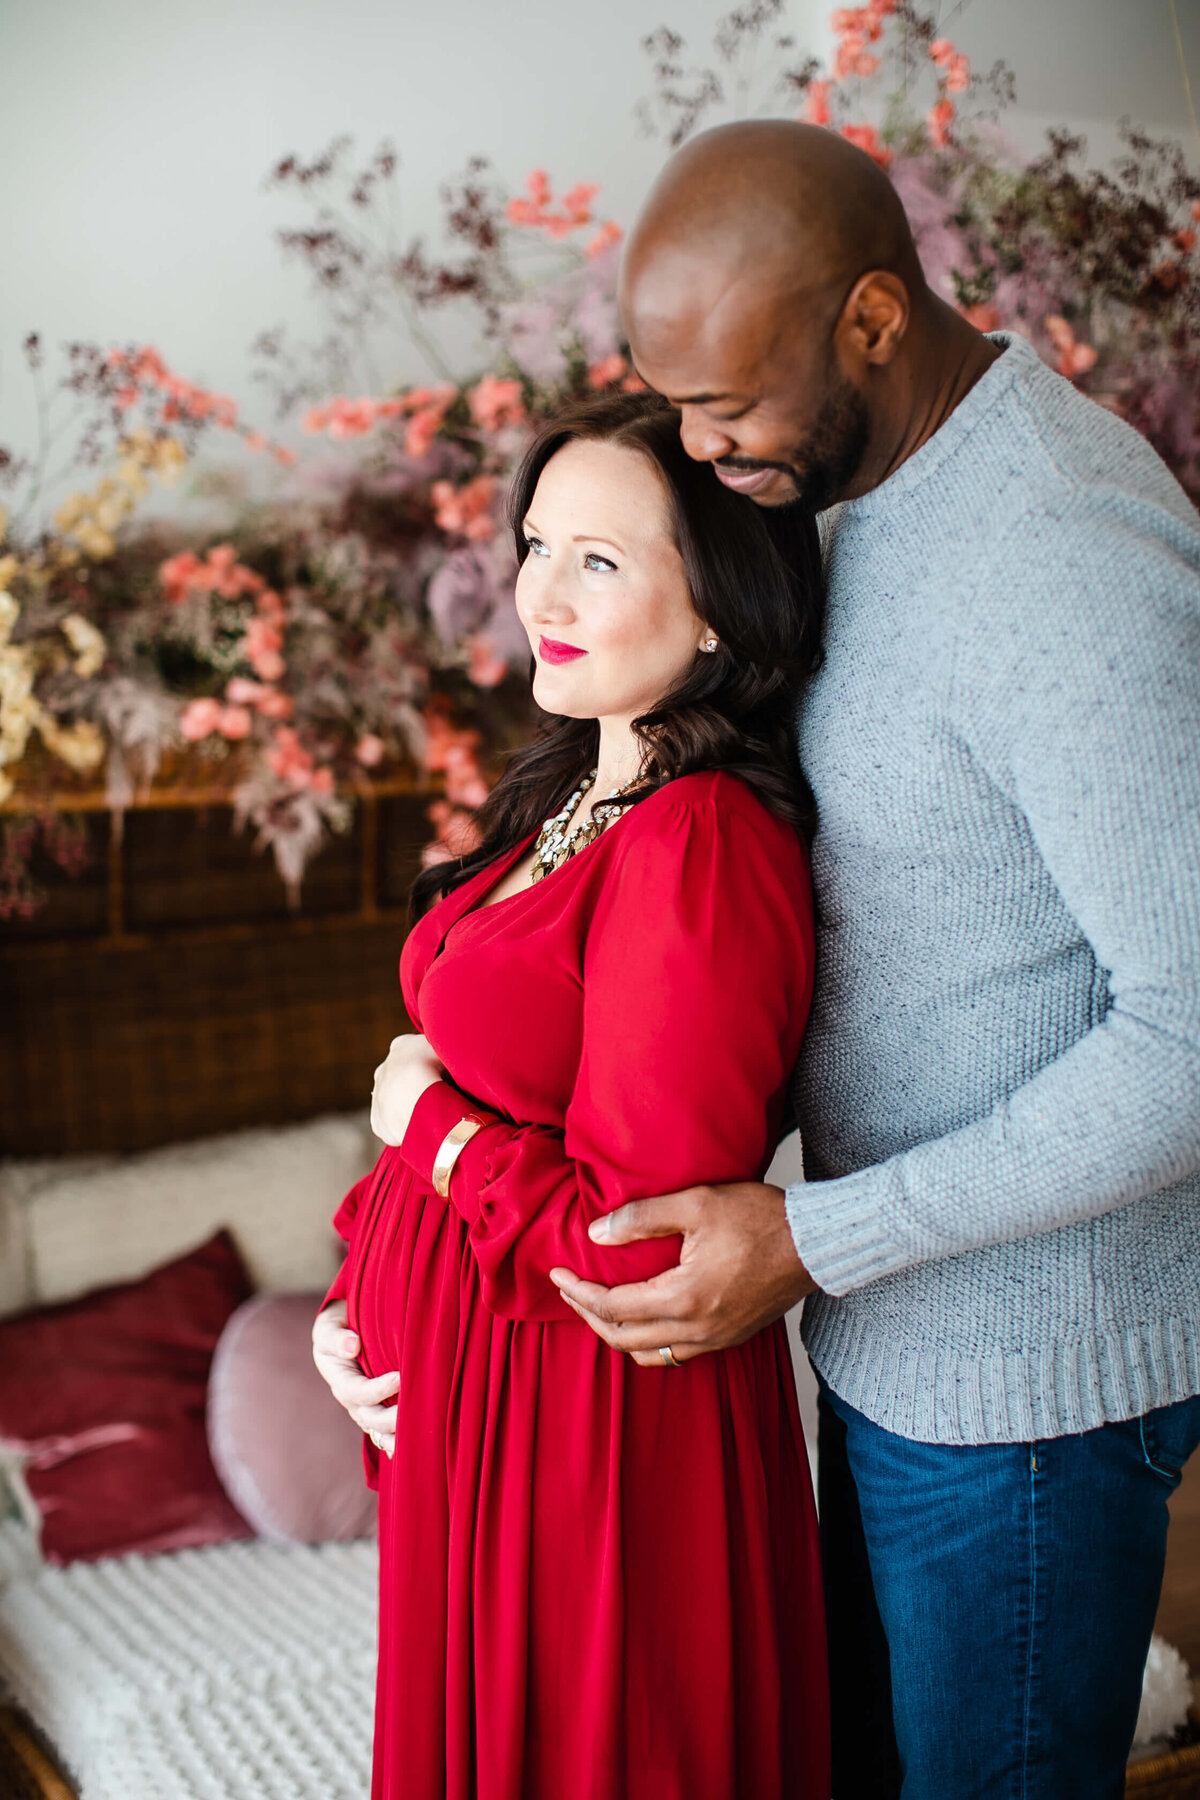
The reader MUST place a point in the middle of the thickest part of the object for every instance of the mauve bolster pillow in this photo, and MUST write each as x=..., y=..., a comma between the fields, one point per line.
x=289, y=1457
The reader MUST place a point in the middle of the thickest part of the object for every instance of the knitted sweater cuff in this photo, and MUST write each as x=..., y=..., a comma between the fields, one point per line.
x=841, y=1234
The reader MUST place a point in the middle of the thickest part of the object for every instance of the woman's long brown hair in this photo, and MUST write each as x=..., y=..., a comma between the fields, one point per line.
x=755, y=578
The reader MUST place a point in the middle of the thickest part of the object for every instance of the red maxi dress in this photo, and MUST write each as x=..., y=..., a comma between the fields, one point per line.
x=597, y=1581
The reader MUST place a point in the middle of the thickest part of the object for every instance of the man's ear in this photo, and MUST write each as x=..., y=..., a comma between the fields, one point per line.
x=875, y=317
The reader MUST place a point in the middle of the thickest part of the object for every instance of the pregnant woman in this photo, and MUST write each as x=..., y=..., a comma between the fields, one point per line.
x=599, y=1575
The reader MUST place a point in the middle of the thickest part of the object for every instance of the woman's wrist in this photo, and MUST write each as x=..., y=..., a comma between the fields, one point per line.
x=438, y=1111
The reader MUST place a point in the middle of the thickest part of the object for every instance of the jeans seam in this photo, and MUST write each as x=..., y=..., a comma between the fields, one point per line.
x=1030, y=1623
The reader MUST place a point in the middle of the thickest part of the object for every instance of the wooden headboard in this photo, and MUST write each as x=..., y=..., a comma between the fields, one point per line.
x=168, y=992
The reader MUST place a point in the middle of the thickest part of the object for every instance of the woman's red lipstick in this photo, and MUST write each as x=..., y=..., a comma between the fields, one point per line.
x=551, y=651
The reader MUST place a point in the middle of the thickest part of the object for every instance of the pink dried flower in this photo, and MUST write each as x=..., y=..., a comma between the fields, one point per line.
x=234, y=722
x=261, y=646
x=241, y=691
x=942, y=51
x=199, y=719
x=276, y=705
x=288, y=759
x=487, y=668
x=369, y=750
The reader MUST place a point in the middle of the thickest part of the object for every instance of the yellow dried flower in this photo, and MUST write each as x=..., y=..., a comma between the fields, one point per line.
x=3, y=522
x=10, y=612
x=6, y=787
x=129, y=474
x=80, y=746
x=111, y=507
x=19, y=711
x=75, y=507
x=170, y=459
x=88, y=644
x=94, y=541
x=9, y=566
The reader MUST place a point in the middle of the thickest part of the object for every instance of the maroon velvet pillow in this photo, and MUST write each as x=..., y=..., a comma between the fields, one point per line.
x=103, y=1397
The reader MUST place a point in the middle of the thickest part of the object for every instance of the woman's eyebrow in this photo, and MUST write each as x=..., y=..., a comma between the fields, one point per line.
x=589, y=538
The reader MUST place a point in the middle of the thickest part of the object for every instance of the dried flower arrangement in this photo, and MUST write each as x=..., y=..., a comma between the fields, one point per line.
x=361, y=619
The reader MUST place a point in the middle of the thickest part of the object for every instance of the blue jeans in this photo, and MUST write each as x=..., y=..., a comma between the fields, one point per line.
x=990, y=1606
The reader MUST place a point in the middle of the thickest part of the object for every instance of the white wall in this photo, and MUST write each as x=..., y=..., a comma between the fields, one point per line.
x=135, y=135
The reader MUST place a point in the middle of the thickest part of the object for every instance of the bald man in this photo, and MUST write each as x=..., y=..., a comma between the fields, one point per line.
x=1000, y=1088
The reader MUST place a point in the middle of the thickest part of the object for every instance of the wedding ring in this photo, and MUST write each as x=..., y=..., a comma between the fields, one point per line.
x=669, y=1357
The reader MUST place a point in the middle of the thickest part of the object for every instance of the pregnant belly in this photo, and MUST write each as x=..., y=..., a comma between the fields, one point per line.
x=406, y=1267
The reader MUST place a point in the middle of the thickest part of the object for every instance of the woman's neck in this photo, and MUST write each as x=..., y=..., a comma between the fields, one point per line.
x=619, y=758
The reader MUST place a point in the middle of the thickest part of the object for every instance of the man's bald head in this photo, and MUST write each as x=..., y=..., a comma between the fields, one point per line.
x=808, y=211
x=756, y=245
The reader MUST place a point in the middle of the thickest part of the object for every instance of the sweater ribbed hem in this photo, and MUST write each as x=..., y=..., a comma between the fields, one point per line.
x=935, y=1396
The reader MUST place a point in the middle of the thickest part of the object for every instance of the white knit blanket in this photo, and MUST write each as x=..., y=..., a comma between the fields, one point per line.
x=243, y=1671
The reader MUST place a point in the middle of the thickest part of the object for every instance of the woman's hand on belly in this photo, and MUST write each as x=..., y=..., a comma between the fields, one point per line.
x=370, y=1403
x=410, y=1066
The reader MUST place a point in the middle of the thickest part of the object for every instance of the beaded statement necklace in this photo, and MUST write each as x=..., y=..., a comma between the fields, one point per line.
x=556, y=844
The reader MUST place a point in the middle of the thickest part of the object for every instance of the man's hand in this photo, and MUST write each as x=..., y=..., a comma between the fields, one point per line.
x=738, y=1270
x=410, y=1066
x=335, y=1352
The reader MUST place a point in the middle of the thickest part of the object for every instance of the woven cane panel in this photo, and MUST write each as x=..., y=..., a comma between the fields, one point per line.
x=124, y=1049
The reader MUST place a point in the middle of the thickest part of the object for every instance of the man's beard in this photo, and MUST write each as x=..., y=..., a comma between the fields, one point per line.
x=827, y=464
x=835, y=449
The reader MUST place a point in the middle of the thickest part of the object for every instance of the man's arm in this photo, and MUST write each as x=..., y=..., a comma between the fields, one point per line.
x=737, y=1271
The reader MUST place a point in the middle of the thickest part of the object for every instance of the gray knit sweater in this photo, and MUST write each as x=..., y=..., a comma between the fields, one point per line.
x=1001, y=1079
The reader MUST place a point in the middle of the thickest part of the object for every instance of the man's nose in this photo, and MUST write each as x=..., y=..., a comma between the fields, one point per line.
x=703, y=440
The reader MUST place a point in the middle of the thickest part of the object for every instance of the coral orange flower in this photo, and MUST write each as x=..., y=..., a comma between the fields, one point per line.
x=602, y=374
x=817, y=110
x=494, y=402
x=939, y=118
x=178, y=574
x=865, y=137
x=942, y=51
x=958, y=75
x=1184, y=240
x=1074, y=358
x=466, y=510
x=609, y=233
x=983, y=317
